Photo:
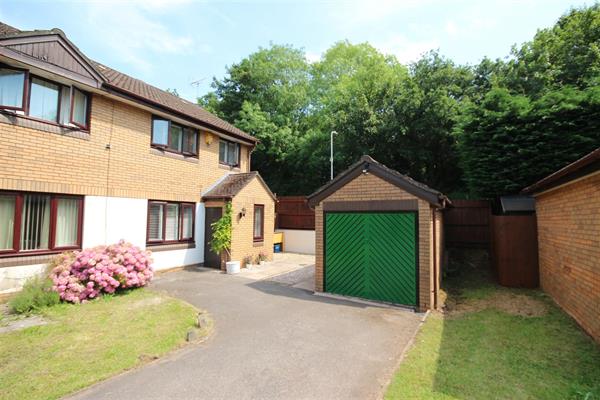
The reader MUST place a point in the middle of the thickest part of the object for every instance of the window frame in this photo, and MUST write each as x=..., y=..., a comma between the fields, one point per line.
x=25, y=105
x=181, y=205
x=52, y=249
x=166, y=147
x=239, y=153
x=262, y=223
x=24, y=99
x=58, y=108
x=88, y=108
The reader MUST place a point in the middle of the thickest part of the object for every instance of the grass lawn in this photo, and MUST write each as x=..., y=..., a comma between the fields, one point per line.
x=498, y=343
x=83, y=344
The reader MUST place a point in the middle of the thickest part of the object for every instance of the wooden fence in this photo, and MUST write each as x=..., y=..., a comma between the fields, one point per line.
x=467, y=224
x=514, y=250
x=293, y=212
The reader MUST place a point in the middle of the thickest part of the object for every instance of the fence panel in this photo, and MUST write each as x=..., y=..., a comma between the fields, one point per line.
x=467, y=224
x=293, y=212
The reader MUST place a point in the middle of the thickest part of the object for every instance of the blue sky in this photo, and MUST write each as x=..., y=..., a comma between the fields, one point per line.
x=171, y=44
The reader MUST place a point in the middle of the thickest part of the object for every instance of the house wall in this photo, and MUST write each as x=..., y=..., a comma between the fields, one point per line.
x=371, y=187
x=242, y=234
x=117, y=182
x=36, y=160
x=568, y=220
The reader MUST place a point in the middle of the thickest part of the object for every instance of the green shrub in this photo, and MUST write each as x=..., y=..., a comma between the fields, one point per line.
x=36, y=294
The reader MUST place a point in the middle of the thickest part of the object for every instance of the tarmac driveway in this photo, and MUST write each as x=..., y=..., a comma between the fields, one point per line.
x=271, y=341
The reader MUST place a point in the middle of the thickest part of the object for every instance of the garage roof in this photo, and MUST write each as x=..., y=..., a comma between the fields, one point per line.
x=368, y=164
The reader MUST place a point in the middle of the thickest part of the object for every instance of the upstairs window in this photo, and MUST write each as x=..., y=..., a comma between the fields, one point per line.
x=170, y=222
x=44, y=100
x=229, y=153
x=79, y=109
x=173, y=137
x=12, y=88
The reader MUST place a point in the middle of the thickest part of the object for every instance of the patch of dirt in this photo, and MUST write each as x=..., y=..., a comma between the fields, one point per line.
x=511, y=303
x=152, y=301
x=144, y=358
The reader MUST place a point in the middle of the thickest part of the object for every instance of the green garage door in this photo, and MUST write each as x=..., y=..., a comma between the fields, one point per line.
x=372, y=255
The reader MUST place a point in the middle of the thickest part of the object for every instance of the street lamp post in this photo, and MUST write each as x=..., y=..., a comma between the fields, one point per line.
x=331, y=154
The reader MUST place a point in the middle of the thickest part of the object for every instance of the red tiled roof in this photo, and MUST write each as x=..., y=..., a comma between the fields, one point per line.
x=142, y=90
x=163, y=98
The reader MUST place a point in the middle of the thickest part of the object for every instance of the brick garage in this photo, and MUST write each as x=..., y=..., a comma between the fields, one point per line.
x=568, y=220
x=374, y=191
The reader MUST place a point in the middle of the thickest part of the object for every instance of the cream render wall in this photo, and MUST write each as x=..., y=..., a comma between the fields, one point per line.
x=370, y=187
x=242, y=234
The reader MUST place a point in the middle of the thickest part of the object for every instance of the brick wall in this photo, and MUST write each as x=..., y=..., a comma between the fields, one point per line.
x=371, y=187
x=36, y=160
x=568, y=221
x=243, y=228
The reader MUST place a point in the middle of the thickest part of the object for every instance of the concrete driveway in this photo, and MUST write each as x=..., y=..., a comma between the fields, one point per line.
x=271, y=341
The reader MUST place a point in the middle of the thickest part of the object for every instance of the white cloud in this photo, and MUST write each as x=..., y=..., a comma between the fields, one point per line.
x=451, y=28
x=406, y=50
x=312, y=56
x=365, y=11
x=135, y=32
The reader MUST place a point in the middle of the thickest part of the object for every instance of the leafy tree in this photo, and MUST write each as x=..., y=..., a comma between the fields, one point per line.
x=535, y=113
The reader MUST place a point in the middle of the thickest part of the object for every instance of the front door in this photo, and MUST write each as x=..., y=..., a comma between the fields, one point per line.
x=211, y=259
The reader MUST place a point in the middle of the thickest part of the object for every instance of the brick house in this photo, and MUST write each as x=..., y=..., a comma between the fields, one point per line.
x=90, y=156
x=379, y=236
x=568, y=223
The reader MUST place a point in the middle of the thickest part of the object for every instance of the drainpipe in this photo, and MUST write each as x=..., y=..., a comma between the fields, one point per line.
x=435, y=262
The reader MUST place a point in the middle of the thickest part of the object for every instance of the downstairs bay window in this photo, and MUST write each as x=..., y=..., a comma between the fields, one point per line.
x=170, y=222
x=33, y=223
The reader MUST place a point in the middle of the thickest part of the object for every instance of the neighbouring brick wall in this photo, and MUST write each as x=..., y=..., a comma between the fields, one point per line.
x=371, y=187
x=568, y=221
x=243, y=229
x=35, y=160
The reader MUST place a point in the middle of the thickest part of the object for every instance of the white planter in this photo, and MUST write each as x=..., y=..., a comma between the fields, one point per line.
x=233, y=267
x=263, y=263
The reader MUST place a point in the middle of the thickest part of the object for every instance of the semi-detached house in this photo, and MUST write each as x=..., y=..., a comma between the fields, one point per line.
x=89, y=156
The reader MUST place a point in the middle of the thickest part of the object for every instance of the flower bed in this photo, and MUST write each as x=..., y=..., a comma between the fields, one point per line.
x=82, y=275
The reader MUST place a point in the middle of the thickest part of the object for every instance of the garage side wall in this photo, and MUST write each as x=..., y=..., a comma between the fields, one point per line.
x=242, y=243
x=371, y=187
x=568, y=221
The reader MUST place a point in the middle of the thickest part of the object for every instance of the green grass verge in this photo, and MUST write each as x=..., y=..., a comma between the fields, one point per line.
x=83, y=344
x=490, y=354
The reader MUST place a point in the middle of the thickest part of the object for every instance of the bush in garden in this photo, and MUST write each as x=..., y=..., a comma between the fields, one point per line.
x=87, y=274
x=36, y=294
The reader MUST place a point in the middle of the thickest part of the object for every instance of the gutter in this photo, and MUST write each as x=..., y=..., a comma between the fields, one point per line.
x=122, y=92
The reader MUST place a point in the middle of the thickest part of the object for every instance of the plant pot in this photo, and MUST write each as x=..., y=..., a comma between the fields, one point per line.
x=232, y=267
x=263, y=263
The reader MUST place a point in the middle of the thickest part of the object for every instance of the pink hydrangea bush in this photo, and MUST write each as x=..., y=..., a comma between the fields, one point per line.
x=82, y=275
